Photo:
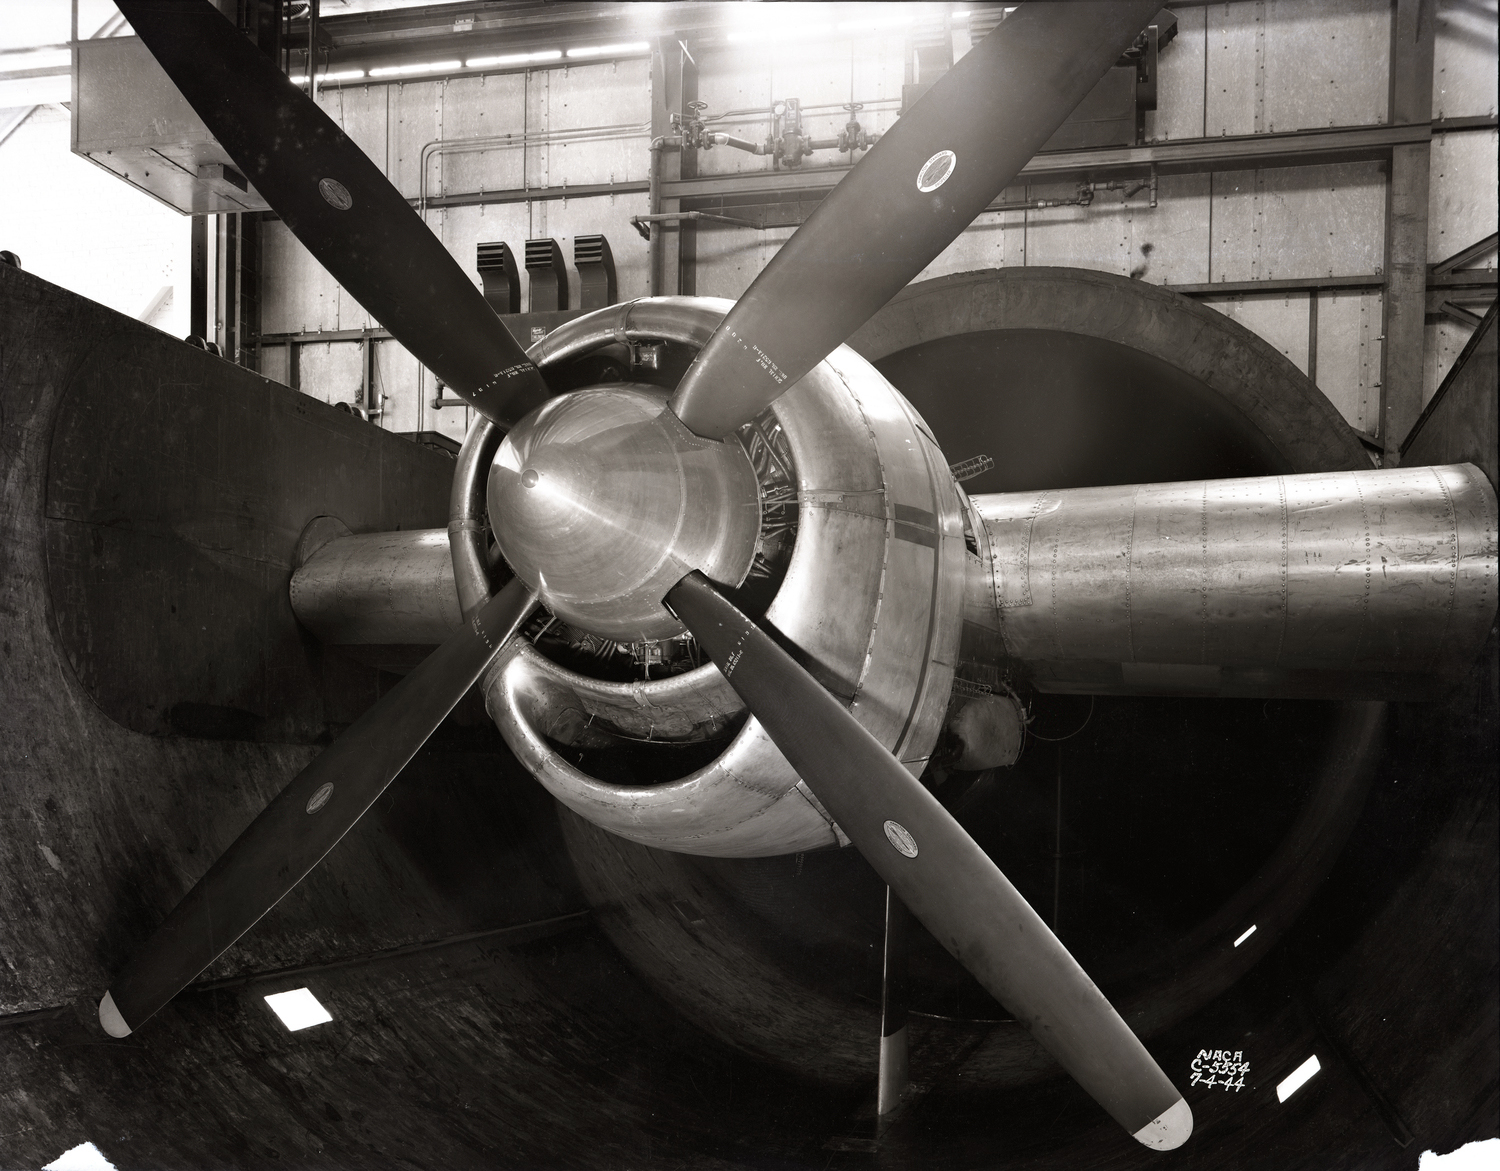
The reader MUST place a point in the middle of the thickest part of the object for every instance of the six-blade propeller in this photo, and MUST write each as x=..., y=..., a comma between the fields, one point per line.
x=912, y=195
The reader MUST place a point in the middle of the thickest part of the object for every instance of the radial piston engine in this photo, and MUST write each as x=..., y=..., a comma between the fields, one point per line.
x=602, y=501
x=835, y=515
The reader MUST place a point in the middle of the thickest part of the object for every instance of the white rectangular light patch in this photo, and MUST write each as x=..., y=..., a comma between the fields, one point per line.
x=298, y=1009
x=1299, y=1078
x=1248, y=933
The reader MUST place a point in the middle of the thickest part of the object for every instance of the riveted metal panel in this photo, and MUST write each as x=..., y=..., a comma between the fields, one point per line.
x=1466, y=65
x=482, y=107
x=1349, y=347
x=416, y=118
x=538, y=101
x=1180, y=90
x=405, y=406
x=1464, y=204
x=1280, y=318
x=361, y=112
x=1233, y=227
x=604, y=94
x=275, y=364
x=878, y=70
x=729, y=258
x=736, y=78
x=1445, y=341
x=1325, y=64
x=330, y=371
x=1171, y=239
x=1319, y=221
x=1234, y=86
x=1100, y=236
x=297, y=294
x=1297, y=222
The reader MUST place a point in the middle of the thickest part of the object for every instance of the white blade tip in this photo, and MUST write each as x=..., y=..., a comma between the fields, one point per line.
x=109, y=1016
x=1169, y=1129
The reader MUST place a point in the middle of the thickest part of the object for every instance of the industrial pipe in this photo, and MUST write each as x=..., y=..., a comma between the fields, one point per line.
x=444, y=146
x=1372, y=584
x=379, y=589
x=654, y=261
x=642, y=223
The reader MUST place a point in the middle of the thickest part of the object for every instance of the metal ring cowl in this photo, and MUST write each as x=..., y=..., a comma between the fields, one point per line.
x=877, y=610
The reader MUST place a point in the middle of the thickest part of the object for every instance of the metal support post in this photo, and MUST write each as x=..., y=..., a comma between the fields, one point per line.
x=1312, y=336
x=1412, y=37
x=674, y=82
x=198, y=279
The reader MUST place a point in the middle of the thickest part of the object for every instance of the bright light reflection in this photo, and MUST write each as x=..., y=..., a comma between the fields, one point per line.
x=342, y=75
x=83, y=1157
x=298, y=1009
x=1248, y=933
x=1299, y=1078
x=764, y=35
x=513, y=59
x=37, y=59
x=419, y=67
x=603, y=50
x=896, y=20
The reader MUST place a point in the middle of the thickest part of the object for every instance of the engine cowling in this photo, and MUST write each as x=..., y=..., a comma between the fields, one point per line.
x=871, y=596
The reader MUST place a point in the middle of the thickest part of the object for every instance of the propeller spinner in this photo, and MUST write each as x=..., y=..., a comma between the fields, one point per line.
x=608, y=504
x=602, y=501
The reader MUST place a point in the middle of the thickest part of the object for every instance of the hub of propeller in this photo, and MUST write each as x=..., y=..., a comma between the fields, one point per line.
x=602, y=501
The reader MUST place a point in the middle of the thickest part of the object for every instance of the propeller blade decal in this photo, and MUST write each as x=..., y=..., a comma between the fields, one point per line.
x=921, y=185
x=307, y=818
x=938, y=870
x=336, y=201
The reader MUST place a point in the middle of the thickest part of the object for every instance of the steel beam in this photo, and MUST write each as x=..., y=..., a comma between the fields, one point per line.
x=1472, y=252
x=674, y=81
x=1290, y=285
x=1407, y=196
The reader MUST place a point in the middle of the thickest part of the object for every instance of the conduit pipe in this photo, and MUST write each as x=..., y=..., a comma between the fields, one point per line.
x=446, y=146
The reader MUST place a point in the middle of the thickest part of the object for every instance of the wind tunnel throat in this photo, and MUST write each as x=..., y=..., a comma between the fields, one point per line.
x=602, y=501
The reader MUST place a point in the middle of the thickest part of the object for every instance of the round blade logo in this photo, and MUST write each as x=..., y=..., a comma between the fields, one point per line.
x=898, y=836
x=320, y=797
x=336, y=194
x=935, y=171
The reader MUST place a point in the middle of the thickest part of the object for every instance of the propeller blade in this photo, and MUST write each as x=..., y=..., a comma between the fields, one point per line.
x=894, y=1068
x=921, y=185
x=938, y=870
x=307, y=818
x=336, y=201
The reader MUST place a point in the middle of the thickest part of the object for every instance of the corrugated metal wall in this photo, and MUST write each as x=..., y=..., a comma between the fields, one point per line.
x=1244, y=67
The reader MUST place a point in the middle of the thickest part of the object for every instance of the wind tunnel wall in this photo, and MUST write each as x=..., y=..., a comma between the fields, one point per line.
x=682, y=1017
